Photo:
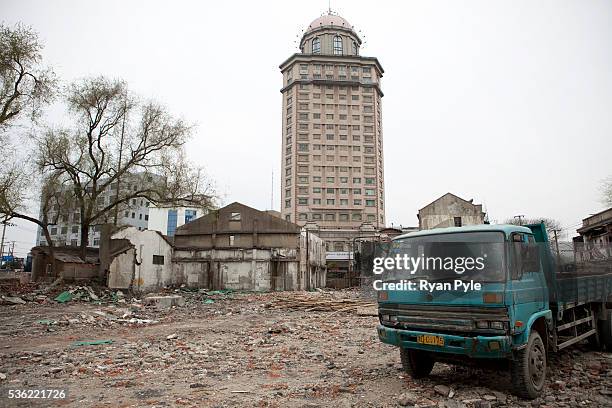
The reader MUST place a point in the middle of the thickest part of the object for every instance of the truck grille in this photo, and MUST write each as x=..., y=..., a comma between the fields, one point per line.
x=442, y=318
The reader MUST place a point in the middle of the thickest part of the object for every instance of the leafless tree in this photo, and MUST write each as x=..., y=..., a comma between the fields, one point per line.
x=25, y=87
x=25, y=84
x=550, y=223
x=120, y=149
x=54, y=198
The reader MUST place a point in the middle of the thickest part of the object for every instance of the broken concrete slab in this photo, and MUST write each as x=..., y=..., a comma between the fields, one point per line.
x=14, y=300
x=164, y=302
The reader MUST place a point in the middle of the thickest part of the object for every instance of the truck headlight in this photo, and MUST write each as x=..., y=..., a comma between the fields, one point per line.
x=393, y=318
x=385, y=318
x=482, y=324
x=497, y=325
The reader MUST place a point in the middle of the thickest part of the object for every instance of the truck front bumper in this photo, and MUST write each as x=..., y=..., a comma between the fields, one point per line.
x=476, y=347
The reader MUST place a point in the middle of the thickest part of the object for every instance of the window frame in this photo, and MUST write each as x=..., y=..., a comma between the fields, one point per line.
x=337, y=45
x=316, y=45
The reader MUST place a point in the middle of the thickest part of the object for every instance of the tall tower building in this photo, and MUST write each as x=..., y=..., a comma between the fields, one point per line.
x=332, y=158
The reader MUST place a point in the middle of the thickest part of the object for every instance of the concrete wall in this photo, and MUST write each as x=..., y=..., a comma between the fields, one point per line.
x=75, y=272
x=312, y=260
x=122, y=270
x=239, y=269
x=138, y=267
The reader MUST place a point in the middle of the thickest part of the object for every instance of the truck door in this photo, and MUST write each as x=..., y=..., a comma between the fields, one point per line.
x=529, y=290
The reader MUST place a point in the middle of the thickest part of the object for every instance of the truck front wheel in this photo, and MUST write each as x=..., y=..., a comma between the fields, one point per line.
x=529, y=368
x=416, y=363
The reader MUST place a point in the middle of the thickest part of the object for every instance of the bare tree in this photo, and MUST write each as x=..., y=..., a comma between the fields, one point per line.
x=54, y=199
x=110, y=123
x=550, y=223
x=606, y=191
x=25, y=85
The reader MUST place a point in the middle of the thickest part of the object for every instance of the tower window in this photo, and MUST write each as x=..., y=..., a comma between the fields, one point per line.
x=316, y=46
x=354, y=48
x=337, y=45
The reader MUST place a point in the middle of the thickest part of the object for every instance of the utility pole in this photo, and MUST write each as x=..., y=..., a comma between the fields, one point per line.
x=520, y=219
x=2, y=244
x=4, y=224
x=557, y=247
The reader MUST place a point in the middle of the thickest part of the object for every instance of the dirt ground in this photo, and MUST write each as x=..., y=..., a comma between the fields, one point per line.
x=237, y=350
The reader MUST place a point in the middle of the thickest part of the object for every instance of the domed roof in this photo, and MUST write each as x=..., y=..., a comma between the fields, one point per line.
x=329, y=20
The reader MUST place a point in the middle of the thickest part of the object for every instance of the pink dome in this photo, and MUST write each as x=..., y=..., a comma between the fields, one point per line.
x=329, y=20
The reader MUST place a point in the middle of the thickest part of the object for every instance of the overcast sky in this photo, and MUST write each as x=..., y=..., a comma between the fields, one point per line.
x=505, y=102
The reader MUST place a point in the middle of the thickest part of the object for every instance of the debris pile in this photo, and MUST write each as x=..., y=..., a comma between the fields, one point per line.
x=254, y=349
x=320, y=302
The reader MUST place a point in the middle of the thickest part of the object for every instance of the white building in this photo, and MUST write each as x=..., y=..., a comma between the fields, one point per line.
x=68, y=229
x=142, y=260
x=167, y=219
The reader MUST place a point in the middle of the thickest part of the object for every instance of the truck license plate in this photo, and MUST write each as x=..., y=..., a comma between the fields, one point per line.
x=430, y=340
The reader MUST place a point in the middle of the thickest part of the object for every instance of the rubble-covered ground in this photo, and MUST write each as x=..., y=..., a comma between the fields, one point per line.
x=239, y=350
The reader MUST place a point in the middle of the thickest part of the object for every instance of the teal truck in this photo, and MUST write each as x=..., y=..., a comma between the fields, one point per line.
x=530, y=301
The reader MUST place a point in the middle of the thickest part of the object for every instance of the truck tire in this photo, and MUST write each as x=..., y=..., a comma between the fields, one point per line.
x=416, y=363
x=605, y=337
x=528, y=368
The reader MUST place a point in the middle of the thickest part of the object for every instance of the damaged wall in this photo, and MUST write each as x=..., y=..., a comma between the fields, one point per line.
x=312, y=260
x=239, y=247
x=238, y=269
x=143, y=263
x=235, y=247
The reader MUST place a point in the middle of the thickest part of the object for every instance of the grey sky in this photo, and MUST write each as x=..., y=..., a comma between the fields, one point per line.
x=507, y=102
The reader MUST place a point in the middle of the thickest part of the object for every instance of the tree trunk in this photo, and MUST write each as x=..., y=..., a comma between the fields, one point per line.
x=44, y=225
x=84, y=240
x=51, y=254
x=51, y=248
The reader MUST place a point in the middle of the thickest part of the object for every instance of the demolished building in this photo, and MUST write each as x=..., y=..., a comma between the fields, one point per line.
x=235, y=247
x=239, y=247
x=137, y=260
x=65, y=262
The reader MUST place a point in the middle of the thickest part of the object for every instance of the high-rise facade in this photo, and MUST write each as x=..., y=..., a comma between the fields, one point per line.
x=332, y=149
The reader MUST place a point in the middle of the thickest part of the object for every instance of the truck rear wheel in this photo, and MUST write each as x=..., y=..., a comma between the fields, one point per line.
x=416, y=363
x=529, y=368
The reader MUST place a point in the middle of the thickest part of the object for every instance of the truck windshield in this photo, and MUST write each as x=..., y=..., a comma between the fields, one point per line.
x=477, y=256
